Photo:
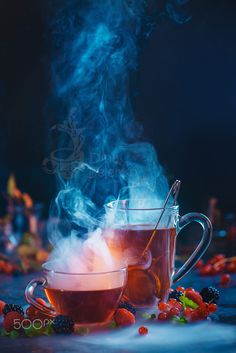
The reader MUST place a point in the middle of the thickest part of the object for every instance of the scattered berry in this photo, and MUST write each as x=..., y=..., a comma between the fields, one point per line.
x=176, y=294
x=124, y=317
x=12, y=307
x=163, y=316
x=143, y=330
x=225, y=278
x=12, y=319
x=126, y=305
x=210, y=294
x=2, y=304
x=153, y=316
x=63, y=324
x=194, y=296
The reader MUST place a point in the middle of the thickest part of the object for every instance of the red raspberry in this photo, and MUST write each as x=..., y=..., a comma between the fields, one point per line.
x=163, y=306
x=225, y=278
x=163, y=316
x=143, y=330
x=12, y=321
x=124, y=317
x=174, y=312
x=172, y=302
x=194, y=296
x=2, y=304
x=212, y=308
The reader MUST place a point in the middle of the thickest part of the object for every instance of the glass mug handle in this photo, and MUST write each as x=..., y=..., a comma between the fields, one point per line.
x=29, y=296
x=202, y=246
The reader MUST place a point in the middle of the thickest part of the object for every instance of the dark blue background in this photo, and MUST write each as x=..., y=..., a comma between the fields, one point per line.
x=184, y=93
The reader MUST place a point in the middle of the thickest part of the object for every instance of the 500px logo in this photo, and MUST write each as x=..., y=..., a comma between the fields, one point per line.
x=37, y=324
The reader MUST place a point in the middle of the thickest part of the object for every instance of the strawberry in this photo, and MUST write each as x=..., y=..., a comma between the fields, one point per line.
x=194, y=296
x=124, y=317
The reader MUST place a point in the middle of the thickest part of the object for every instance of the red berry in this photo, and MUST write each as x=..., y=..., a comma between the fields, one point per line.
x=181, y=289
x=172, y=302
x=188, y=312
x=163, y=316
x=190, y=289
x=163, y=306
x=12, y=321
x=124, y=317
x=195, y=315
x=194, y=296
x=225, y=278
x=143, y=330
x=203, y=311
x=216, y=270
x=231, y=267
x=199, y=264
x=212, y=308
x=219, y=257
x=2, y=304
x=179, y=306
x=206, y=270
x=174, y=312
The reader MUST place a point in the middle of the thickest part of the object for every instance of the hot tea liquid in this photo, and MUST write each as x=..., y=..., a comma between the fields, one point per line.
x=149, y=278
x=91, y=306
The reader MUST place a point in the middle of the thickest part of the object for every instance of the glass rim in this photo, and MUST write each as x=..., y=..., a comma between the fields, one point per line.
x=122, y=269
x=111, y=203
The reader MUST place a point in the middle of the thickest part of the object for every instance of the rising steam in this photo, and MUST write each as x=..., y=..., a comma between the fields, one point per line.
x=96, y=50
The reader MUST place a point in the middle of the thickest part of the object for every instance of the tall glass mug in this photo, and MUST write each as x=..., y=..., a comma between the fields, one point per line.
x=151, y=273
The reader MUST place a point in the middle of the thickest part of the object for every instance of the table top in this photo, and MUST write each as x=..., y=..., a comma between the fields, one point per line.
x=208, y=336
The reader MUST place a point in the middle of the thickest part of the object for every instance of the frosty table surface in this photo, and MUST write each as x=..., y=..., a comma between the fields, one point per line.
x=194, y=338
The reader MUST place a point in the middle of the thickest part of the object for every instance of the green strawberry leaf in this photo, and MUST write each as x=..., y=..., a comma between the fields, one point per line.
x=48, y=330
x=188, y=303
x=4, y=333
x=179, y=320
x=14, y=334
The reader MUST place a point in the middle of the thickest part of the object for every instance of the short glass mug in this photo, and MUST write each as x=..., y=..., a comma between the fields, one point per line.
x=87, y=298
x=151, y=273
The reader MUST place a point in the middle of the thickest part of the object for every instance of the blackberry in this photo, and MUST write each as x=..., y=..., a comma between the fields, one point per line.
x=126, y=305
x=63, y=324
x=210, y=294
x=175, y=294
x=12, y=307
